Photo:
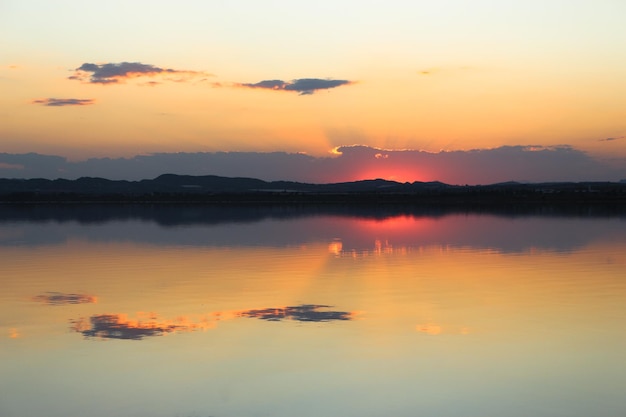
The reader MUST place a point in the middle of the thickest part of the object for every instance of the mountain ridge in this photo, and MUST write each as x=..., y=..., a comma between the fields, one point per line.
x=174, y=187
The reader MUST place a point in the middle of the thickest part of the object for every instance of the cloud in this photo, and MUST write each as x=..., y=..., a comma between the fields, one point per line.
x=60, y=102
x=304, y=86
x=522, y=163
x=304, y=312
x=612, y=139
x=151, y=83
x=32, y=165
x=4, y=165
x=113, y=73
x=58, y=298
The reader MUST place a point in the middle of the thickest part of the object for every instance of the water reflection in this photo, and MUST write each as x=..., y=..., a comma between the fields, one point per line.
x=305, y=312
x=119, y=326
x=464, y=315
x=58, y=298
x=345, y=230
x=434, y=329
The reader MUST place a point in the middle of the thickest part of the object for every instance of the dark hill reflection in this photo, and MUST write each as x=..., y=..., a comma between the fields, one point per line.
x=183, y=214
x=355, y=228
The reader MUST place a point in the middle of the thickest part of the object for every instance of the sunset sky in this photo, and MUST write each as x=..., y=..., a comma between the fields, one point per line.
x=84, y=79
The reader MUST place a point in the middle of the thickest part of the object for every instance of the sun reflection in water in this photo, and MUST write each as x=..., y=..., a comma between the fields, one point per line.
x=434, y=329
x=335, y=247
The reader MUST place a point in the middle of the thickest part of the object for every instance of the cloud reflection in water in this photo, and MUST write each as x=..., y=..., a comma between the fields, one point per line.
x=304, y=312
x=59, y=298
x=119, y=326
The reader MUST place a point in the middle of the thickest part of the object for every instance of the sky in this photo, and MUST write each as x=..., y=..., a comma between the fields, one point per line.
x=407, y=81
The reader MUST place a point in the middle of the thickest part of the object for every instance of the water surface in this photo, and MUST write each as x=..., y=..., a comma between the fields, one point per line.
x=192, y=311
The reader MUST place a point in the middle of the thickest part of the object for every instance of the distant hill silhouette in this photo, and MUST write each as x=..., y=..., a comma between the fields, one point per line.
x=212, y=188
x=171, y=183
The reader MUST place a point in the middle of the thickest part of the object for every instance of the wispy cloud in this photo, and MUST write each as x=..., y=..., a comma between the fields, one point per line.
x=60, y=102
x=442, y=70
x=114, y=73
x=612, y=139
x=303, y=86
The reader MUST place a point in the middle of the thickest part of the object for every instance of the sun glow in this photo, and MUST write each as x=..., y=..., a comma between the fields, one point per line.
x=403, y=225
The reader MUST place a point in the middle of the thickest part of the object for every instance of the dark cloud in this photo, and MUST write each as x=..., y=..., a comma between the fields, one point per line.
x=112, y=73
x=4, y=165
x=303, y=86
x=523, y=163
x=59, y=298
x=32, y=165
x=477, y=166
x=304, y=312
x=612, y=139
x=59, y=102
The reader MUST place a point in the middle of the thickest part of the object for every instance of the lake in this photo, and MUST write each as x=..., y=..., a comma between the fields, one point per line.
x=194, y=311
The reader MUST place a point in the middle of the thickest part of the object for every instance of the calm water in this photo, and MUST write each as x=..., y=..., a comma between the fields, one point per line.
x=197, y=312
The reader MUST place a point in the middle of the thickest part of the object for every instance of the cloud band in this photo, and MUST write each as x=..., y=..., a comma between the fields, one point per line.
x=113, y=73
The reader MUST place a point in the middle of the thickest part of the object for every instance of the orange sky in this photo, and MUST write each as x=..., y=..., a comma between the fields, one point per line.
x=407, y=75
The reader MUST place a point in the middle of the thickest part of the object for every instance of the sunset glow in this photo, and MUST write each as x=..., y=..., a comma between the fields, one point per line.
x=245, y=76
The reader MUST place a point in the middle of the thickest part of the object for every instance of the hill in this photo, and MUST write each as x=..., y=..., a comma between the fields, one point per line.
x=216, y=189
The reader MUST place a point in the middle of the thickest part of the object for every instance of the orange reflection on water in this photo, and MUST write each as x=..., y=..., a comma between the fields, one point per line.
x=119, y=326
x=379, y=247
x=403, y=224
x=429, y=328
x=335, y=247
x=436, y=329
